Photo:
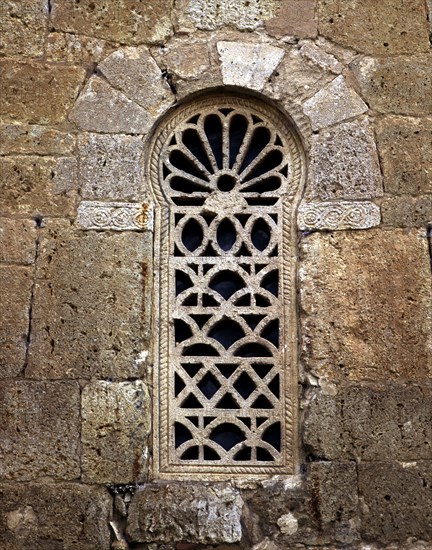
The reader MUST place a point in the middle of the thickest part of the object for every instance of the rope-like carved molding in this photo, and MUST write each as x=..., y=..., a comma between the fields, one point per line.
x=338, y=215
x=115, y=216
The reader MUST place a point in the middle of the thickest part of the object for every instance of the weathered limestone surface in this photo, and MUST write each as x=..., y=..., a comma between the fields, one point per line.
x=293, y=18
x=136, y=74
x=39, y=430
x=101, y=108
x=407, y=211
x=37, y=93
x=325, y=60
x=396, y=503
x=34, y=139
x=17, y=241
x=405, y=149
x=125, y=21
x=115, y=216
x=34, y=185
x=366, y=423
x=338, y=215
x=116, y=424
x=186, y=59
x=387, y=27
x=110, y=167
x=22, y=27
x=15, y=294
x=174, y=512
x=399, y=85
x=334, y=103
x=90, y=310
x=76, y=49
x=43, y=516
x=344, y=163
x=367, y=305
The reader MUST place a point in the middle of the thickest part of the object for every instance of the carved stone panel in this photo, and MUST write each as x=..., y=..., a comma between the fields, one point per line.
x=226, y=174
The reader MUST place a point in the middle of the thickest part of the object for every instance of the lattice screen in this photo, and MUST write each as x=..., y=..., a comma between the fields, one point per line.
x=226, y=173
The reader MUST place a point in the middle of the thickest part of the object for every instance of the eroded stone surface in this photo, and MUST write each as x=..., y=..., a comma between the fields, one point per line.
x=22, y=27
x=293, y=18
x=334, y=103
x=407, y=211
x=90, y=311
x=344, y=163
x=405, y=148
x=338, y=215
x=136, y=74
x=37, y=93
x=388, y=27
x=400, y=85
x=322, y=58
x=364, y=423
x=15, y=295
x=40, y=430
x=185, y=59
x=74, y=48
x=173, y=512
x=115, y=216
x=248, y=65
x=17, y=241
x=116, y=424
x=360, y=292
x=42, y=516
x=34, y=139
x=110, y=167
x=101, y=108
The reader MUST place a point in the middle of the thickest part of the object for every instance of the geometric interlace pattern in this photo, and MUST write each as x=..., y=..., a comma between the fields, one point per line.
x=225, y=171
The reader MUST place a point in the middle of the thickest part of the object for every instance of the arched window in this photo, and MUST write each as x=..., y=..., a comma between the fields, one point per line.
x=226, y=174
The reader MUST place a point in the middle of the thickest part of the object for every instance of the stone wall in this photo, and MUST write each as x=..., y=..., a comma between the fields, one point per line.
x=82, y=86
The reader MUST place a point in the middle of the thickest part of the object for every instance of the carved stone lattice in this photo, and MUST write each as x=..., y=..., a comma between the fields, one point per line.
x=226, y=174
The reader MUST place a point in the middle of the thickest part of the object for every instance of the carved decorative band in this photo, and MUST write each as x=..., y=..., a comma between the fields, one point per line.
x=338, y=215
x=117, y=216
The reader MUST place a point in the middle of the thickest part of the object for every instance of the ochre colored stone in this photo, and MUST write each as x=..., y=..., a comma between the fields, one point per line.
x=37, y=93
x=116, y=424
x=126, y=21
x=405, y=149
x=407, y=211
x=28, y=187
x=22, y=27
x=15, y=295
x=367, y=305
x=54, y=516
x=75, y=49
x=39, y=430
x=369, y=423
x=91, y=306
x=387, y=27
x=34, y=139
x=400, y=85
x=17, y=241
x=293, y=18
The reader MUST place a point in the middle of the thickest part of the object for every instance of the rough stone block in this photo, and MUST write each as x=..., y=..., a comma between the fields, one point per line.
x=91, y=305
x=34, y=139
x=75, y=49
x=334, y=103
x=101, y=108
x=39, y=430
x=22, y=28
x=407, y=211
x=399, y=85
x=37, y=93
x=136, y=74
x=396, y=502
x=323, y=59
x=387, y=27
x=110, y=167
x=405, y=149
x=125, y=21
x=366, y=299
x=185, y=59
x=34, y=185
x=344, y=163
x=116, y=424
x=17, y=241
x=293, y=18
x=180, y=512
x=15, y=296
x=57, y=516
x=365, y=423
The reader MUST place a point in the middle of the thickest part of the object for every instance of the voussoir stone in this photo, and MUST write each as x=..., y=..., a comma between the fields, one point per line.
x=101, y=108
x=367, y=305
x=17, y=241
x=344, y=162
x=54, y=516
x=90, y=311
x=39, y=430
x=387, y=27
x=34, y=139
x=136, y=74
x=293, y=18
x=76, y=49
x=334, y=103
x=247, y=64
x=110, y=166
x=23, y=27
x=116, y=423
x=181, y=512
x=407, y=211
x=188, y=60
